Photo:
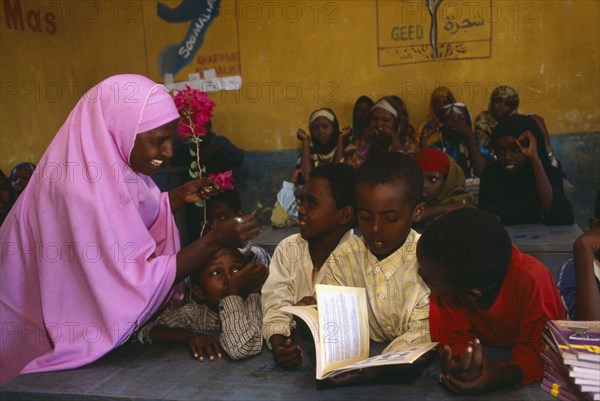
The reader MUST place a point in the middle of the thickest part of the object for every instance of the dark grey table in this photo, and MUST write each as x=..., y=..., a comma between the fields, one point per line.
x=167, y=372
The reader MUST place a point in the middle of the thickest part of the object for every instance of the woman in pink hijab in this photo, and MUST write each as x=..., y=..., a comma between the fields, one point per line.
x=90, y=250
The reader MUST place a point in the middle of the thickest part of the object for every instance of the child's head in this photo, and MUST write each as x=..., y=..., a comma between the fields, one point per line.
x=361, y=111
x=223, y=206
x=504, y=102
x=464, y=252
x=389, y=111
x=324, y=128
x=389, y=191
x=210, y=281
x=20, y=176
x=5, y=197
x=440, y=98
x=504, y=139
x=327, y=203
x=435, y=166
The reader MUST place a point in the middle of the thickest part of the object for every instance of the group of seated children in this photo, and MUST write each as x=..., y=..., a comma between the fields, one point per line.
x=521, y=180
x=460, y=283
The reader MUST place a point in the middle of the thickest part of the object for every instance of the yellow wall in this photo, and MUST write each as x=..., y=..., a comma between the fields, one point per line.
x=548, y=50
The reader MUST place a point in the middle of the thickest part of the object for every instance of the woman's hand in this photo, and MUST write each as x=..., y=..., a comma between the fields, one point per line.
x=236, y=232
x=192, y=191
x=302, y=136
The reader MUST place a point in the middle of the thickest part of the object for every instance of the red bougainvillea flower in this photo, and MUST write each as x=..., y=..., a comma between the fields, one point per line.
x=195, y=110
x=225, y=180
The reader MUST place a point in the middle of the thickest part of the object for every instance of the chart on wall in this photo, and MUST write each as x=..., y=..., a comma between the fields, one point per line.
x=193, y=42
x=422, y=31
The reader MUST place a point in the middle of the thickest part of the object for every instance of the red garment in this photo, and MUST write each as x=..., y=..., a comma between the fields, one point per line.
x=528, y=297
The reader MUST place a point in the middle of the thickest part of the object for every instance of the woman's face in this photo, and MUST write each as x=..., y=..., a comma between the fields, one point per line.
x=433, y=182
x=321, y=130
x=501, y=108
x=153, y=148
x=380, y=119
x=362, y=112
x=438, y=103
x=509, y=155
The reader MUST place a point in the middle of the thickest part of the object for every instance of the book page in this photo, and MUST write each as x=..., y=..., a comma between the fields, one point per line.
x=344, y=326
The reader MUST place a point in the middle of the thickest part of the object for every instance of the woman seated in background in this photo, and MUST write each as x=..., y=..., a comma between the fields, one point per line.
x=522, y=186
x=429, y=131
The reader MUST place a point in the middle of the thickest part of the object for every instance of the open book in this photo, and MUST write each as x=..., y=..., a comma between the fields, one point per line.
x=340, y=329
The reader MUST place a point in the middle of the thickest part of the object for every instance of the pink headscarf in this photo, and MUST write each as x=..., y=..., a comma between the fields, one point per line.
x=89, y=249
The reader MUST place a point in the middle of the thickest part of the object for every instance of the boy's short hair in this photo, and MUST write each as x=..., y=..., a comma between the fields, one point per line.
x=386, y=167
x=471, y=245
x=195, y=276
x=231, y=197
x=342, y=182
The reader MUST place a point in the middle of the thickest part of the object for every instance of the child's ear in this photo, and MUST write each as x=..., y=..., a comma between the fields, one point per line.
x=474, y=293
x=197, y=294
x=346, y=215
x=594, y=223
x=418, y=212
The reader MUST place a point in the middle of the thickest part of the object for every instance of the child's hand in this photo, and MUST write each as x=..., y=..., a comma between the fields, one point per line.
x=345, y=132
x=588, y=243
x=203, y=345
x=458, y=123
x=306, y=301
x=286, y=354
x=428, y=130
x=357, y=376
x=464, y=367
x=248, y=280
x=302, y=135
x=527, y=145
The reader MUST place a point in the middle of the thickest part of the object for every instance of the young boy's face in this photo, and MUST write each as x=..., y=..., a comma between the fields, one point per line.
x=317, y=209
x=214, y=277
x=385, y=216
x=218, y=212
x=509, y=155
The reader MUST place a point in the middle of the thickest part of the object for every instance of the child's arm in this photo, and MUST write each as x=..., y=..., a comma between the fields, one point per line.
x=339, y=150
x=435, y=210
x=200, y=345
x=241, y=334
x=587, y=296
x=528, y=146
x=305, y=161
x=474, y=373
x=460, y=124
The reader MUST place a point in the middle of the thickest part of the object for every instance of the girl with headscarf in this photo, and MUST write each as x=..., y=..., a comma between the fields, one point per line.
x=389, y=130
x=443, y=185
x=360, y=117
x=90, y=250
x=429, y=132
x=522, y=187
x=458, y=141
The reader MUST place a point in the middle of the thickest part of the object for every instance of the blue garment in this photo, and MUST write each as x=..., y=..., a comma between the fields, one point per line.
x=567, y=286
x=460, y=153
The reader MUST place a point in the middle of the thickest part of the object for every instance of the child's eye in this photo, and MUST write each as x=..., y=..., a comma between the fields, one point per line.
x=215, y=273
x=364, y=216
x=235, y=270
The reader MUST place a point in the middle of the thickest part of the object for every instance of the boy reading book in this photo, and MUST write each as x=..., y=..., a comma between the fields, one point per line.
x=388, y=200
x=484, y=291
x=326, y=216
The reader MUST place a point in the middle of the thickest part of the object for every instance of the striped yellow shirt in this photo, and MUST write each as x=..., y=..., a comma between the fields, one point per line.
x=397, y=298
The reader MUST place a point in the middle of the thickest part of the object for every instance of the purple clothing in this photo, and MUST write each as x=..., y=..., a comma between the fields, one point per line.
x=89, y=249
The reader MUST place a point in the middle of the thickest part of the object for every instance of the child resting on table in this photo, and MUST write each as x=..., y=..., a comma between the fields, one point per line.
x=225, y=312
x=326, y=217
x=443, y=185
x=579, y=278
x=484, y=291
x=388, y=200
x=523, y=187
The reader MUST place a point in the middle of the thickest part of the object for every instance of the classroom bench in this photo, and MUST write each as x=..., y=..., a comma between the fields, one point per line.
x=168, y=372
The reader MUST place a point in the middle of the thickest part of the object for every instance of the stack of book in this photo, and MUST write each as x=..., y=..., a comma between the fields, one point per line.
x=571, y=355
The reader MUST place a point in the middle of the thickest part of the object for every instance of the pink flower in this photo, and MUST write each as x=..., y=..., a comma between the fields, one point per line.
x=195, y=110
x=225, y=180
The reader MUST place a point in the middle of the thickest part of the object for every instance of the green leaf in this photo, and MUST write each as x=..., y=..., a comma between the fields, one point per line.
x=193, y=174
x=192, y=153
x=203, y=169
x=194, y=165
x=199, y=203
